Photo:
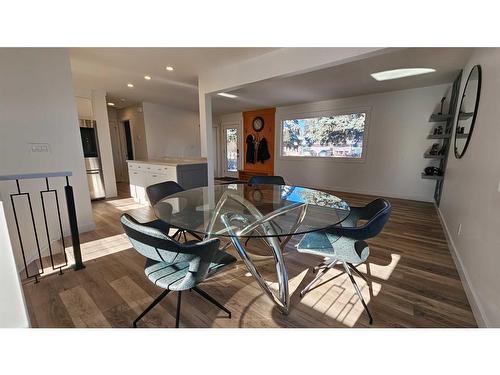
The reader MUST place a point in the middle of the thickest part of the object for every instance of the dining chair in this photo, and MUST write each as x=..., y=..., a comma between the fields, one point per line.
x=270, y=180
x=345, y=244
x=161, y=190
x=175, y=266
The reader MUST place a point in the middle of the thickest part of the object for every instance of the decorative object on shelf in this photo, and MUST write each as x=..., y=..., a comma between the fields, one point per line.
x=434, y=149
x=468, y=111
x=439, y=151
x=442, y=104
x=433, y=171
x=258, y=124
x=438, y=130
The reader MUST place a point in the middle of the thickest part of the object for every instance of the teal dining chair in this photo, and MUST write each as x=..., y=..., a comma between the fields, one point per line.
x=344, y=244
x=175, y=266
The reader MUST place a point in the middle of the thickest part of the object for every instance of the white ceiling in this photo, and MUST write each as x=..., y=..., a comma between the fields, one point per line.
x=111, y=69
x=350, y=79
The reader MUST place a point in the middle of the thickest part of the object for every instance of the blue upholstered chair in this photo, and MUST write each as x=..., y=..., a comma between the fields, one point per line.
x=345, y=244
x=162, y=190
x=271, y=180
x=175, y=266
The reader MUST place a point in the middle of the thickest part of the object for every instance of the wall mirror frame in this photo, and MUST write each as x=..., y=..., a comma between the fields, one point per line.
x=467, y=112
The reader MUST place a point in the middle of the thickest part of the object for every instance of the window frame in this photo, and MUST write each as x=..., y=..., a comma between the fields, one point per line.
x=324, y=113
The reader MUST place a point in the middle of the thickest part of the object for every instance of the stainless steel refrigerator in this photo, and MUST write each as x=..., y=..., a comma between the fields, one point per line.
x=88, y=133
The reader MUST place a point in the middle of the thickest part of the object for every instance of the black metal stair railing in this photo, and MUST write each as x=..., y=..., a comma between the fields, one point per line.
x=73, y=224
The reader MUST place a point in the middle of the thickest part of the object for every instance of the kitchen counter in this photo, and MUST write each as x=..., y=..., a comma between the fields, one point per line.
x=169, y=161
x=189, y=173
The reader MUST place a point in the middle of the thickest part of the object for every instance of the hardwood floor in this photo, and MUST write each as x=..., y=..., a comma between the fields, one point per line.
x=414, y=282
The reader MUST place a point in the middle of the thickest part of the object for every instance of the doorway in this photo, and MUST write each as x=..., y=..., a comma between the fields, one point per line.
x=123, y=149
x=231, y=146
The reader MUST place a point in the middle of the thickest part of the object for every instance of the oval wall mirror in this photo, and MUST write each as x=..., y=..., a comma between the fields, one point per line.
x=467, y=111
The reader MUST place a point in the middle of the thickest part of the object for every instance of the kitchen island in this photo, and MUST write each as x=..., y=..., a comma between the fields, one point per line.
x=189, y=173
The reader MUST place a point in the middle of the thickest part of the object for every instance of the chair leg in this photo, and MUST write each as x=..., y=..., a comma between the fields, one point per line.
x=209, y=298
x=348, y=271
x=358, y=273
x=321, y=265
x=178, y=313
x=197, y=236
x=184, y=234
x=177, y=233
x=153, y=304
x=318, y=276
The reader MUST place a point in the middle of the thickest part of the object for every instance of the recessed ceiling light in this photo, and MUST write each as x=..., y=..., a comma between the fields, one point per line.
x=225, y=94
x=147, y=78
x=169, y=68
x=400, y=73
x=111, y=104
x=130, y=84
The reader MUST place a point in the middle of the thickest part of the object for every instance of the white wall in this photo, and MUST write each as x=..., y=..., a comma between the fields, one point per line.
x=84, y=108
x=13, y=313
x=284, y=61
x=135, y=116
x=396, y=140
x=171, y=131
x=37, y=105
x=100, y=111
x=471, y=197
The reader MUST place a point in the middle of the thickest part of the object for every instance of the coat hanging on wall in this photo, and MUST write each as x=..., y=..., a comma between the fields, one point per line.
x=250, y=156
x=263, y=151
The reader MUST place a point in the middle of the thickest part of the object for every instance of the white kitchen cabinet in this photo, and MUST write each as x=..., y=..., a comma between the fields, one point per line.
x=146, y=173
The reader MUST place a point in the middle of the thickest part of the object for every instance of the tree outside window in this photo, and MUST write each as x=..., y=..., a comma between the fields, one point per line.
x=338, y=136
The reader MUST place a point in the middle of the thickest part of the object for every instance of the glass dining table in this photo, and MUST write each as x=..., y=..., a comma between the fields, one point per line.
x=273, y=213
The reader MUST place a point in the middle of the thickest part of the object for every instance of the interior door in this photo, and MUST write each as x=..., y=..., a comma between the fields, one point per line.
x=231, y=145
x=117, y=151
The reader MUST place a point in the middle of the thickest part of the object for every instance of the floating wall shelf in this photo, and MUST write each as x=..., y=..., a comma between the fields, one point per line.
x=444, y=139
x=465, y=115
x=439, y=117
x=429, y=156
x=432, y=177
x=438, y=136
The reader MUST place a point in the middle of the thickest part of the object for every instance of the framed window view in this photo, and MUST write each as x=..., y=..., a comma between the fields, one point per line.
x=330, y=136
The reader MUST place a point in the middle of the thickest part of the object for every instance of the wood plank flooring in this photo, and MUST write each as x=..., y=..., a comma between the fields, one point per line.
x=414, y=281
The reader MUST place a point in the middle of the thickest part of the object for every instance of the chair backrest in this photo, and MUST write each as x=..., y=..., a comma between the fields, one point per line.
x=376, y=213
x=271, y=180
x=161, y=190
x=155, y=245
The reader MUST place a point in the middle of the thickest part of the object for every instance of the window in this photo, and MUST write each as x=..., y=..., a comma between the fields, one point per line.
x=335, y=136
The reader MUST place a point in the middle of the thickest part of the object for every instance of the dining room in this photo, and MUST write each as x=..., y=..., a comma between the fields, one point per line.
x=259, y=188
x=316, y=210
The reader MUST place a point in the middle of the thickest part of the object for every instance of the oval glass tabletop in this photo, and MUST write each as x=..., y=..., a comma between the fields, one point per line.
x=239, y=210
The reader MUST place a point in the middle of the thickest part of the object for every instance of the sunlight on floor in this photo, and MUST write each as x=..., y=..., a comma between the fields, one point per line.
x=125, y=204
x=104, y=246
x=335, y=296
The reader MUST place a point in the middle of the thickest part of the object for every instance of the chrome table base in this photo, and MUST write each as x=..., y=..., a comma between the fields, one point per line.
x=263, y=224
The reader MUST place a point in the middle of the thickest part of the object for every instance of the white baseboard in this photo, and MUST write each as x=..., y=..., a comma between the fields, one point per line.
x=476, y=307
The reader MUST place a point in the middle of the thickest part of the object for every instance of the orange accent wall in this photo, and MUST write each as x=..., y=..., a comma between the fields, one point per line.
x=268, y=133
